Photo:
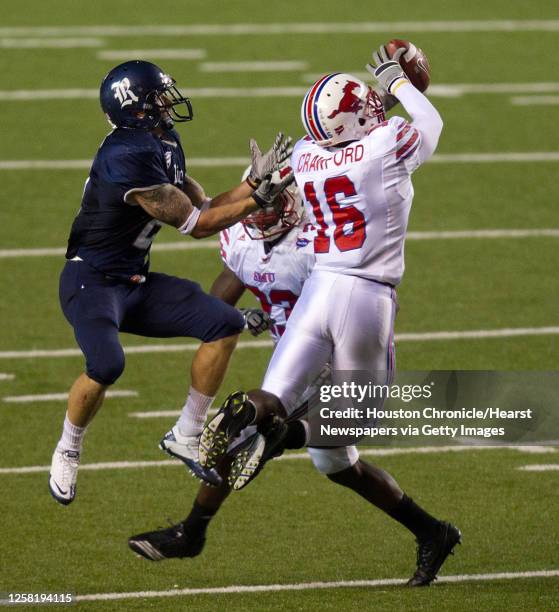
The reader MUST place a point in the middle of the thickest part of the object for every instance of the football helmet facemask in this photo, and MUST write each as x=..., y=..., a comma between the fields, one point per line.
x=340, y=108
x=138, y=94
x=285, y=214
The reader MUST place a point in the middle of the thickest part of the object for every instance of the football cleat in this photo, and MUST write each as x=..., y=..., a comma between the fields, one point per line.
x=185, y=448
x=169, y=543
x=236, y=413
x=63, y=475
x=432, y=553
x=260, y=447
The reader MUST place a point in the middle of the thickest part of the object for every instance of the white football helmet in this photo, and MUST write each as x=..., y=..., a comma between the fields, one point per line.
x=339, y=108
x=287, y=213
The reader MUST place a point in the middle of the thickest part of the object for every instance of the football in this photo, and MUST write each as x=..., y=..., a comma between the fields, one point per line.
x=413, y=61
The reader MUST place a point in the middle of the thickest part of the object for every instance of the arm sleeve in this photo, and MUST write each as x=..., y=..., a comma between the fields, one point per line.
x=425, y=119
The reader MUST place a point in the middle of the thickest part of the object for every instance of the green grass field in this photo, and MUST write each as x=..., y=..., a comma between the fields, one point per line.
x=292, y=526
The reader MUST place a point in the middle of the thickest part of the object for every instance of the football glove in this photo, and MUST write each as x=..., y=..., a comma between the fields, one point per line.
x=385, y=70
x=256, y=321
x=263, y=164
x=268, y=190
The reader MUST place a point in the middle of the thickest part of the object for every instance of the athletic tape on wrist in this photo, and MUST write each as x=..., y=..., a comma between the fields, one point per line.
x=190, y=222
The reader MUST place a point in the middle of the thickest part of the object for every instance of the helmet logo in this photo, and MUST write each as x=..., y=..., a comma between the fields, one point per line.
x=123, y=92
x=349, y=103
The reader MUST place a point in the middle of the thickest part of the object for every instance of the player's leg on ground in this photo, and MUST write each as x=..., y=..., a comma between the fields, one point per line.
x=435, y=539
x=187, y=538
x=375, y=485
x=368, y=346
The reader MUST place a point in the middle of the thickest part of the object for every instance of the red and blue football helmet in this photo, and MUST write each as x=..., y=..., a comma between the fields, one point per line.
x=272, y=221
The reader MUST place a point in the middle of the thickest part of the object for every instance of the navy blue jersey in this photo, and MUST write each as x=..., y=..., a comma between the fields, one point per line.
x=109, y=234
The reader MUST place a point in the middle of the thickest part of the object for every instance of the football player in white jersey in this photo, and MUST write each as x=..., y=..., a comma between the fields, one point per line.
x=354, y=168
x=271, y=255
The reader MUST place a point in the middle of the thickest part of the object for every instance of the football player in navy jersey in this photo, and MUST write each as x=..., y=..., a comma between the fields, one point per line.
x=137, y=182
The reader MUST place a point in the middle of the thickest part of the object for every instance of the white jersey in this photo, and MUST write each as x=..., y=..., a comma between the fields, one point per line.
x=276, y=278
x=360, y=196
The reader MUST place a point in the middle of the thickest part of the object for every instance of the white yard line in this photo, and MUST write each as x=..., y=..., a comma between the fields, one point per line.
x=191, y=245
x=154, y=414
x=189, y=347
x=480, y=333
x=487, y=233
x=130, y=350
x=157, y=414
x=492, y=158
x=45, y=164
x=549, y=467
x=49, y=43
x=441, y=90
x=259, y=29
x=50, y=397
x=262, y=66
x=307, y=586
x=239, y=162
x=456, y=90
x=10, y=253
x=126, y=54
x=186, y=245
x=4, y=376
x=34, y=95
x=535, y=100
x=79, y=164
x=94, y=467
x=367, y=452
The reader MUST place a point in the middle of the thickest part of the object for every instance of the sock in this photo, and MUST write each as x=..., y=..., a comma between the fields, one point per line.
x=196, y=523
x=297, y=434
x=194, y=413
x=72, y=436
x=410, y=515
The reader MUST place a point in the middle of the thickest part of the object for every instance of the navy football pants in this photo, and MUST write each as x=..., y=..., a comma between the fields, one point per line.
x=99, y=307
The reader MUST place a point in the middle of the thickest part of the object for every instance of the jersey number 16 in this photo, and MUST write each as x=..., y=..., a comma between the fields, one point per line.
x=349, y=222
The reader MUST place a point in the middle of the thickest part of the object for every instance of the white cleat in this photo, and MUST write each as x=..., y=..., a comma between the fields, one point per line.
x=63, y=475
x=185, y=448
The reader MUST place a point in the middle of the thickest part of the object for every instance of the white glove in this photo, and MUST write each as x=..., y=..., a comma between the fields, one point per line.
x=266, y=163
x=268, y=190
x=385, y=70
x=256, y=321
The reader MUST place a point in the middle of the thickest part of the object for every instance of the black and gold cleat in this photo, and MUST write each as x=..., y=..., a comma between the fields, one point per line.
x=262, y=446
x=236, y=413
x=432, y=553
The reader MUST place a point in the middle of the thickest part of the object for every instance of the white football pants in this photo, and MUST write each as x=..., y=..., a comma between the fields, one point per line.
x=347, y=320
